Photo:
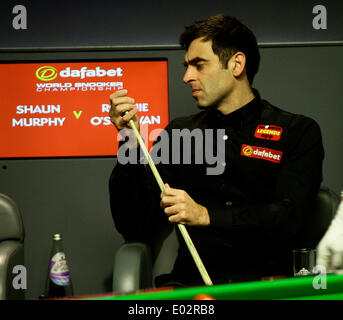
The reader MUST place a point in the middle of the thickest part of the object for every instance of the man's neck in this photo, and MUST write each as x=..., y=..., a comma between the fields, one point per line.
x=237, y=100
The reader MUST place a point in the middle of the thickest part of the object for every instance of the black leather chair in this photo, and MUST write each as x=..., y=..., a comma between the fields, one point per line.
x=136, y=264
x=324, y=209
x=11, y=247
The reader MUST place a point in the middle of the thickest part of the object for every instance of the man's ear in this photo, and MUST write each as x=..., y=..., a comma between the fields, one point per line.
x=237, y=63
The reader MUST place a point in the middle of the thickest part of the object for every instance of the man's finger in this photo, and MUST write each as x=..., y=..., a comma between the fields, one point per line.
x=176, y=218
x=337, y=260
x=167, y=201
x=119, y=93
x=168, y=191
x=323, y=259
x=172, y=210
x=118, y=102
x=127, y=112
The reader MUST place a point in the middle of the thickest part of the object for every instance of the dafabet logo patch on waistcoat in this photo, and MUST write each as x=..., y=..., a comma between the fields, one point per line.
x=261, y=153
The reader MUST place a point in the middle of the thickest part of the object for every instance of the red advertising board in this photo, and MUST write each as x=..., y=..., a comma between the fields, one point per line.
x=61, y=109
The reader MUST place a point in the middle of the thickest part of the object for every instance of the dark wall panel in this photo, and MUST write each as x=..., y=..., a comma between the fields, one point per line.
x=152, y=22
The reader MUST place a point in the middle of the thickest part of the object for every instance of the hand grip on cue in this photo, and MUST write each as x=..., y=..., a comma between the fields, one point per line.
x=203, y=272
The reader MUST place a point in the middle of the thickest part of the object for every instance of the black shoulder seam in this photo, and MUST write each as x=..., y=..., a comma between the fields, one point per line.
x=282, y=117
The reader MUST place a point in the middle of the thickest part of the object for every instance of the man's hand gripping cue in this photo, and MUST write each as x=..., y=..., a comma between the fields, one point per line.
x=181, y=208
x=123, y=109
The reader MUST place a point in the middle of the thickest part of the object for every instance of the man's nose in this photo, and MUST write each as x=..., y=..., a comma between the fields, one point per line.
x=190, y=75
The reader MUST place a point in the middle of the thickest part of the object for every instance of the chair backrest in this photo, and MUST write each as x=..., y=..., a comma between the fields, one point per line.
x=11, y=247
x=11, y=223
x=165, y=252
x=319, y=219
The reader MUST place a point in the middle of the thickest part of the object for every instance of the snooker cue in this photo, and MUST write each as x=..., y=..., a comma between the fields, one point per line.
x=203, y=272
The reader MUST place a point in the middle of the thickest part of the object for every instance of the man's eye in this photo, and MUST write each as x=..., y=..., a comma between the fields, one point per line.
x=200, y=66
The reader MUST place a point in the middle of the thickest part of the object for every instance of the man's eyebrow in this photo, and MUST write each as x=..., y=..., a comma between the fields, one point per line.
x=194, y=61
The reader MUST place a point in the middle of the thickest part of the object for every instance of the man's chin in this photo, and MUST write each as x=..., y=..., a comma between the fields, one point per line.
x=205, y=107
x=202, y=105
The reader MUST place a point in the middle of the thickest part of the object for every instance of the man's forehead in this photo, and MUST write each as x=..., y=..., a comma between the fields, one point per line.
x=194, y=61
x=199, y=49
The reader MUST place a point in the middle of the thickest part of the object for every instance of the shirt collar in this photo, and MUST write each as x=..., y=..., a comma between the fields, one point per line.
x=240, y=117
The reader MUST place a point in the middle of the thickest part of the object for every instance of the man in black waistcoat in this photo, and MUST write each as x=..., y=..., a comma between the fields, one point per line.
x=245, y=211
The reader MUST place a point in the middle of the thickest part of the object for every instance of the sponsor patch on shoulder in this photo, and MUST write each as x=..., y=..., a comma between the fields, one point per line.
x=268, y=132
x=261, y=153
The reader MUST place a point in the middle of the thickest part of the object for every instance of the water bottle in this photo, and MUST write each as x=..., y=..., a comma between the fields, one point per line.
x=58, y=282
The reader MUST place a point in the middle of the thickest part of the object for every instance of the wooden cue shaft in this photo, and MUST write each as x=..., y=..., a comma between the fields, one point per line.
x=203, y=272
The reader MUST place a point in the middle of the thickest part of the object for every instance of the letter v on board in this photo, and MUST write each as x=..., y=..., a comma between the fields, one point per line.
x=77, y=114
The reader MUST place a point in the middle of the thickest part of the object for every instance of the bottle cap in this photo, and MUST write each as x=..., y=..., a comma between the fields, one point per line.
x=57, y=236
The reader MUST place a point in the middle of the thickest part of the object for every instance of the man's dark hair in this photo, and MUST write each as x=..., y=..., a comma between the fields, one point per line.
x=228, y=35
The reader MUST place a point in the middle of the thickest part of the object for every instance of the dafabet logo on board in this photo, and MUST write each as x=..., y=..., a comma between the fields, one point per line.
x=46, y=73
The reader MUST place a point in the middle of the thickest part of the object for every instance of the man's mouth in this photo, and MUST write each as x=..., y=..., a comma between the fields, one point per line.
x=195, y=91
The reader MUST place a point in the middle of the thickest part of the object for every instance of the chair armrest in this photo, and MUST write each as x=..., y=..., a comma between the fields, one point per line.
x=132, y=268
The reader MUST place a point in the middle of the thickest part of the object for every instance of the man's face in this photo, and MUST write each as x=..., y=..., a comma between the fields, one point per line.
x=211, y=84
